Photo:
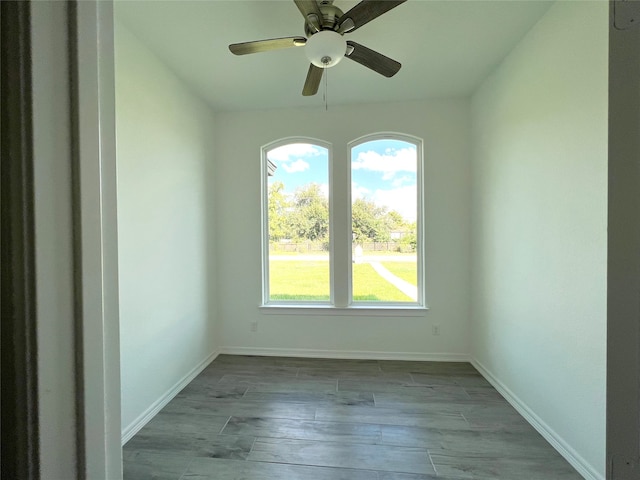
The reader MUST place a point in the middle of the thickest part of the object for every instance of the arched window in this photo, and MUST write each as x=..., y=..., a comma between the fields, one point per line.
x=386, y=219
x=370, y=253
x=296, y=244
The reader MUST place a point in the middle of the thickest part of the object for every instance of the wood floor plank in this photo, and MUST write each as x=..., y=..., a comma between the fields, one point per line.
x=493, y=415
x=296, y=385
x=255, y=378
x=447, y=368
x=242, y=407
x=325, y=398
x=395, y=387
x=480, y=467
x=409, y=476
x=191, y=445
x=409, y=436
x=331, y=454
x=509, y=443
x=449, y=419
x=424, y=395
x=485, y=394
x=150, y=466
x=222, y=469
x=469, y=380
x=303, y=430
x=252, y=369
x=184, y=423
x=204, y=389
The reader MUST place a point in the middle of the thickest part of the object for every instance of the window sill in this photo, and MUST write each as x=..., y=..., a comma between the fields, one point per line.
x=359, y=310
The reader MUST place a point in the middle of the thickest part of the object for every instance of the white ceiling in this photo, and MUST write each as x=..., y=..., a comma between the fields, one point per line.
x=446, y=48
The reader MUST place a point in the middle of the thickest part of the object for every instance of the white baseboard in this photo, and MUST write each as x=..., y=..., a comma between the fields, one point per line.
x=346, y=354
x=159, y=404
x=583, y=467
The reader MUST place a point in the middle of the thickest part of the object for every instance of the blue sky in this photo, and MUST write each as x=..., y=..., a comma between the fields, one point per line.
x=383, y=171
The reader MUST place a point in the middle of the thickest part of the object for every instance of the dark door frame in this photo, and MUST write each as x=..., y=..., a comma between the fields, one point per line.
x=623, y=275
x=19, y=389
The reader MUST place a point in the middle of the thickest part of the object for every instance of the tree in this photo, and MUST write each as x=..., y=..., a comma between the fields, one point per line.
x=368, y=222
x=310, y=216
x=279, y=207
x=394, y=221
x=410, y=239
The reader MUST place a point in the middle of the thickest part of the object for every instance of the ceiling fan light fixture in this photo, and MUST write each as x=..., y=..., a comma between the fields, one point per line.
x=326, y=48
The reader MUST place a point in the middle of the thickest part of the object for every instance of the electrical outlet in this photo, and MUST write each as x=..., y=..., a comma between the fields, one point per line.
x=435, y=329
x=254, y=326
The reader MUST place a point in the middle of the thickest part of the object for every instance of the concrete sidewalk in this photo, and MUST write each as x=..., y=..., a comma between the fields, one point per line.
x=405, y=287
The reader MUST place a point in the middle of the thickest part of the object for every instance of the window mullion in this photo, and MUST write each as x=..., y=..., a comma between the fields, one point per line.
x=340, y=229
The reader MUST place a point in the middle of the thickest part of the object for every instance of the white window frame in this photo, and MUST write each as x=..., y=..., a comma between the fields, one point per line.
x=266, y=301
x=420, y=303
x=343, y=233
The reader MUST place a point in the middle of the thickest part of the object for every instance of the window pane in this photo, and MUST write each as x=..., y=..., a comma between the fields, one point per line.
x=384, y=203
x=298, y=220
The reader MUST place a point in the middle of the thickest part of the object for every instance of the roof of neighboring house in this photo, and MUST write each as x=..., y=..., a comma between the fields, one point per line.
x=271, y=168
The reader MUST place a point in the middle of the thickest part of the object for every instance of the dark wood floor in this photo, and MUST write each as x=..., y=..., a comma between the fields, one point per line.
x=272, y=418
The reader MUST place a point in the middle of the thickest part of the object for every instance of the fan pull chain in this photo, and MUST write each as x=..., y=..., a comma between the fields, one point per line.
x=326, y=81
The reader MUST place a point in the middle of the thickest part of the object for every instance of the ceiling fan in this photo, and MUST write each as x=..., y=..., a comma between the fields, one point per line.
x=325, y=26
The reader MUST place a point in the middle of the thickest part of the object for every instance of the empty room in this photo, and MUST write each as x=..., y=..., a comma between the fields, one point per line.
x=387, y=263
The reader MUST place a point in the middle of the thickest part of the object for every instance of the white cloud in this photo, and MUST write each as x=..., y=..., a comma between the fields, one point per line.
x=403, y=200
x=389, y=163
x=297, y=166
x=291, y=151
x=398, y=182
x=358, y=191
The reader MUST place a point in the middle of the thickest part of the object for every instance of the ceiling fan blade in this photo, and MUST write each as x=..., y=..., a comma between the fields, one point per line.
x=311, y=84
x=364, y=12
x=311, y=13
x=372, y=59
x=266, y=45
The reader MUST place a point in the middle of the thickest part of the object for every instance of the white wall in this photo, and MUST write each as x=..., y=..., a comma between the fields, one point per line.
x=444, y=126
x=165, y=223
x=539, y=214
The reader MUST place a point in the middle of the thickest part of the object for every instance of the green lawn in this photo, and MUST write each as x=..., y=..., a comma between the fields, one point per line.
x=298, y=280
x=386, y=253
x=315, y=253
x=305, y=280
x=408, y=271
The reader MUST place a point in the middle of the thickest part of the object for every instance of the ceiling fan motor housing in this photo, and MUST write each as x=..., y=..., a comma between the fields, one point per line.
x=330, y=16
